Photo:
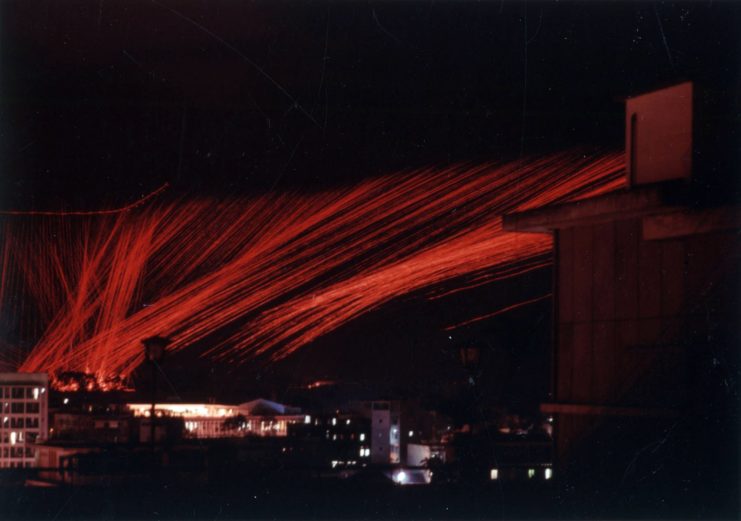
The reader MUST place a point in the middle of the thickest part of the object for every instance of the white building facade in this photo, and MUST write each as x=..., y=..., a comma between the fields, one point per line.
x=385, y=432
x=24, y=421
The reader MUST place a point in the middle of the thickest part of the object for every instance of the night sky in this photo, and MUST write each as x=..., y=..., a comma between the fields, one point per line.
x=104, y=101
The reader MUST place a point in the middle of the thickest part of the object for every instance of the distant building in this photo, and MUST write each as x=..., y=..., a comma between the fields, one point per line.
x=24, y=417
x=80, y=425
x=206, y=420
x=362, y=433
x=421, y=454
x=385, y=432
x=339, y=440
x=97, y=416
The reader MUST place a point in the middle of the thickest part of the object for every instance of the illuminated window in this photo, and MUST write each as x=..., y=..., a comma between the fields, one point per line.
x=530, y=473
x=334, y=421
x=35, y=393
x=347, y=422
x=494, y=474
x=362, y=436
x=307, y=419
x=548, y=473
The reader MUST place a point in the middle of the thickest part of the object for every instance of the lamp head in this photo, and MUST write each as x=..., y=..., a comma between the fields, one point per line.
x=154, y=347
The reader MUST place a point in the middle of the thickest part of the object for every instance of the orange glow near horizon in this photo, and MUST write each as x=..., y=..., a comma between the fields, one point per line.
x=269, y=274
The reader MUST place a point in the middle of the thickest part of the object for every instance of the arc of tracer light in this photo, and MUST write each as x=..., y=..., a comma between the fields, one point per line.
x=293, y=267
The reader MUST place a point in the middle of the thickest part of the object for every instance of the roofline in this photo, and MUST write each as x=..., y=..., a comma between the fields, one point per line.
x=613, y=206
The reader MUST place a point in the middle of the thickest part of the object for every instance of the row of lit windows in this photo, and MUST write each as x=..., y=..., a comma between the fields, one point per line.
x=14, y=464
x=18, y=452
x=205, y=427
x=21, y=407
x=14, y=437
x=342, y=436
x=16, y=423
x=22, y=392
x=547, y=473
x=341, y=463
x=338, y=421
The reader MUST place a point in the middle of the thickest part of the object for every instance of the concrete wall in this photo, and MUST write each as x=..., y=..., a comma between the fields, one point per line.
x=645, y=331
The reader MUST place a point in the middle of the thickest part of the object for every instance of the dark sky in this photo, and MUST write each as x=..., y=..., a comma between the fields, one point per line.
x=103, y=101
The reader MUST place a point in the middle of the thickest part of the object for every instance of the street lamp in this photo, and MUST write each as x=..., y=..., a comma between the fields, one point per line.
x=469, y=355
x=154, y=351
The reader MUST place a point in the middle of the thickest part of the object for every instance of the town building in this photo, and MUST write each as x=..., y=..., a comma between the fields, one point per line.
x=24, y=417
x=207, y=420
x=385, y=432
x=338, y=440
x=421, y=454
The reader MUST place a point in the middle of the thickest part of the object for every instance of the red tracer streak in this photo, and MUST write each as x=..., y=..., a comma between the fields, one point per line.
x=269, y=274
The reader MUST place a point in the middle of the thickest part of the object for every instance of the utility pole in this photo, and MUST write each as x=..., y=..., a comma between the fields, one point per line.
x=154, y=351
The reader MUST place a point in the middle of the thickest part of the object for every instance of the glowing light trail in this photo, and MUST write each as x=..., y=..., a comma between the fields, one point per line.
x=499, y=312
x=49, y=213
x=269, y=274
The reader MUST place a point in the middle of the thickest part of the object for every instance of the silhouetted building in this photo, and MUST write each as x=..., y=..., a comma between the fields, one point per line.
x=340, y=440
x=646, y=315
x=364, y=432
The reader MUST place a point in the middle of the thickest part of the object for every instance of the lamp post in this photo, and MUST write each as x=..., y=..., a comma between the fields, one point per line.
x=154, y=351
